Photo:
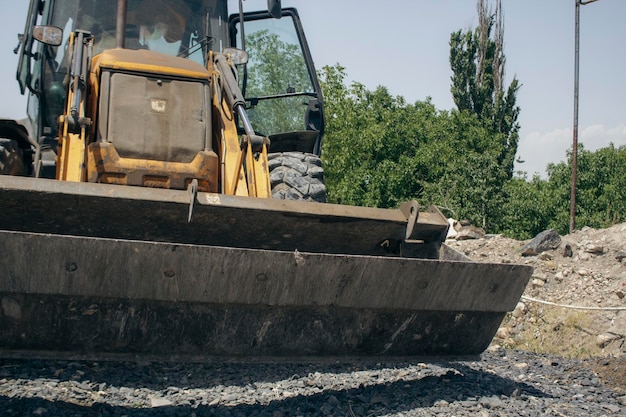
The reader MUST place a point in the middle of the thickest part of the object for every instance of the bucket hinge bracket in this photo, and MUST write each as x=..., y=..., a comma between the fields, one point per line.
x=192, y=191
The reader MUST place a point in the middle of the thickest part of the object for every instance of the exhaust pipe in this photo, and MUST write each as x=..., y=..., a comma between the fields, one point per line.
x=120, y=26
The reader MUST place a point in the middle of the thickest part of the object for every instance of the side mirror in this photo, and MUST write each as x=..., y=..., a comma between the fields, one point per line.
x=237, y=56
x=274, y=7
x=50, y=35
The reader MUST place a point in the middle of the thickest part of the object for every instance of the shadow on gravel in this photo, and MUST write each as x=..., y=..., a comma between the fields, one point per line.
x=160, y=375
x=460, y=384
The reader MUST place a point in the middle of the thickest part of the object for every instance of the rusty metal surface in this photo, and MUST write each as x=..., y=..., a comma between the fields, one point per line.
x=79, y=326
x=77, y=293
x=100, y=210
x=90, y=268
x=188, y=273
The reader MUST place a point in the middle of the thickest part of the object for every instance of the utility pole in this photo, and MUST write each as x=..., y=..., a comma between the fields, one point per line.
x=572, y=210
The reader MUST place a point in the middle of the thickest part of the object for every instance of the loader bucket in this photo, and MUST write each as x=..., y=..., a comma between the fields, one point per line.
x=92, y=269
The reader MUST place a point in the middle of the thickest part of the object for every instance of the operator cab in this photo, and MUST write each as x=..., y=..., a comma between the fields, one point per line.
x=186, y=28
x=288, y=108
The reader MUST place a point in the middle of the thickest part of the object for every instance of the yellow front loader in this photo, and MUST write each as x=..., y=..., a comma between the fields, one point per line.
x=165, y=197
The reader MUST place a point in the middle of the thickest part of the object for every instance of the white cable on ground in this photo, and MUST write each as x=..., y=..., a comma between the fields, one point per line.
x=573, y=307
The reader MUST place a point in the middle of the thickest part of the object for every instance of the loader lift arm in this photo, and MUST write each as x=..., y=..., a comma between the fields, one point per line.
x=72, y=148
x=253, y=148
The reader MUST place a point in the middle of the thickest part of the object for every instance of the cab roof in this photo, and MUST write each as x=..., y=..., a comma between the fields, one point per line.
x=147, y=61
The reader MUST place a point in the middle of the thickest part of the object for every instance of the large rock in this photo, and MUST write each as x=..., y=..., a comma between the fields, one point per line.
x=463, y=230
x=546, y=240
x=470, y=232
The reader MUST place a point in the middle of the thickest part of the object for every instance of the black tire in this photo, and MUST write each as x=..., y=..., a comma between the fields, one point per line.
x=297, y=176
x=11, y=158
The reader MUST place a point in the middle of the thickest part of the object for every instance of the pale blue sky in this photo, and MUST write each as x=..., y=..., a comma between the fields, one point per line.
x=403, y=45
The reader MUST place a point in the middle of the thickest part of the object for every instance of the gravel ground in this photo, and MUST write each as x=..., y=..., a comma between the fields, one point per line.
x=502, y=383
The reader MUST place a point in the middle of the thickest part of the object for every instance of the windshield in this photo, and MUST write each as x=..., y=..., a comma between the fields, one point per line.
x=174, y=27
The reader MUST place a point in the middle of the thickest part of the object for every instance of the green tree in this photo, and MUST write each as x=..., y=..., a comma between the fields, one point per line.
x=375, y=150
x=601, y=188
x=528, y=208
x=380, y=150
x=470, y=186
x=478, y=63
x=276, y=67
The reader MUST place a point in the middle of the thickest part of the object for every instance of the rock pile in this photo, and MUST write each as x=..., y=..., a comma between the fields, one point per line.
x=586, y=269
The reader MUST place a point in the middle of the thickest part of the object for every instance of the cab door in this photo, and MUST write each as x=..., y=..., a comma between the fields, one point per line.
x=279, y=81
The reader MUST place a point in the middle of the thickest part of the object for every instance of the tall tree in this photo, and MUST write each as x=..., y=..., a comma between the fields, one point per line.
x=478, y=63
x=601, y=188
x=379, y=150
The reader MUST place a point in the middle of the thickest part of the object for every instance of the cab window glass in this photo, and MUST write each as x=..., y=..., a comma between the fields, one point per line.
x=277, y=82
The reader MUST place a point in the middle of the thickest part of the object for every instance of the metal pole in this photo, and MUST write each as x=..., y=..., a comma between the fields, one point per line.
x=120, y=28
x=572, y=210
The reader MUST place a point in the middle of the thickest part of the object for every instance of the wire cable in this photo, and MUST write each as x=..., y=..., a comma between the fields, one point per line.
x=535, y=300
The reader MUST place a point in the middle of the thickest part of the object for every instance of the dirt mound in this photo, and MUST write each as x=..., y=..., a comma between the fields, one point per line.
x=587, y=269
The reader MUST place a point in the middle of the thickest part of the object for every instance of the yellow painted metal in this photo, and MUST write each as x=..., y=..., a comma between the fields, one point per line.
x=71, y=158
x=264, y=185
x=242, y=172
x=106, y=166
x=258, y=173
x=250, y=174
x=233, y=178
x=72, y=146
